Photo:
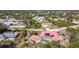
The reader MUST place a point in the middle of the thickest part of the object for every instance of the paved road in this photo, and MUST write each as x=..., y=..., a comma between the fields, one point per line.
x=34, y=29
x=56, y=29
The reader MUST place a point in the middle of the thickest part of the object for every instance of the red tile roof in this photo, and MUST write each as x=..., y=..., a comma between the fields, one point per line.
x=35, y=38
x=53, y=36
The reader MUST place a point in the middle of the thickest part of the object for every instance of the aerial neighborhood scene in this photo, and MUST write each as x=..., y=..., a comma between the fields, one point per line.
x=39, y=29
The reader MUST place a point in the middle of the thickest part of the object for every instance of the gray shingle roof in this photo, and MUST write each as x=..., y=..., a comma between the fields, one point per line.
x=10, y=34
x=1, y=36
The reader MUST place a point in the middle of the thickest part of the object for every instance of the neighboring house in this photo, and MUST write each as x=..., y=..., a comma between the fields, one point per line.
x=39, y=18
x=1, y=20
x=2, y=37
x=54, y=36
x=46, y=24
x=56, y=19
x=75, y=27
x=13, y=23
x=62, y=19
x=18, y=27
x=9, y=36
x=69, y=20
x=50, y=18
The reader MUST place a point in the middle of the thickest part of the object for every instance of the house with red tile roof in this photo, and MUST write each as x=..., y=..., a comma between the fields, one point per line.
x=35, y=38
x=46, y=35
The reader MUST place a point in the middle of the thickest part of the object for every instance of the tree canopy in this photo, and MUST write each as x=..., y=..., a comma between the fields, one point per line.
x=2, y=27
x=61, y=23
